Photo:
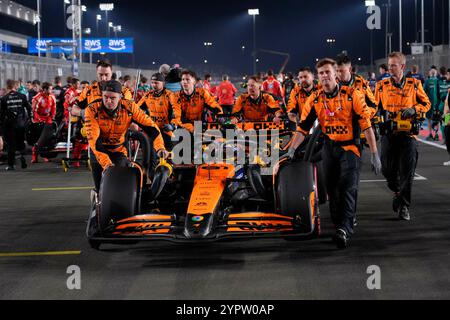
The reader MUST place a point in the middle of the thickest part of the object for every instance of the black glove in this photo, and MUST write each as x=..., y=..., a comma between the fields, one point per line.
x=408, y=113
x=168, y=127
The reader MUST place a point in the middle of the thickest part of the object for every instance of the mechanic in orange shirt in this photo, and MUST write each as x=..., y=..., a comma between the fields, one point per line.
x=347, y=78
x=44, y=111
x=107, y=122
x=256, y=105
x=405, y=95
x=196, y=103
x=301, y=93
x=342, y=113
x=162, y=106
x=93, y=92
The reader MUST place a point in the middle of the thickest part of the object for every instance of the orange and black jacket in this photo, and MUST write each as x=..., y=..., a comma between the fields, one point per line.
x=93, y=93
x=193, y=106
x=391, y=97
x=298, y=98
x=256, y=110
x=106, y=132
x=341, y=115
x=362, y=85
x=162, y=107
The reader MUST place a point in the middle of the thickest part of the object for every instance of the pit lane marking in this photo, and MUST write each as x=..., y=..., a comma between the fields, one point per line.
x=434, y=144
x=62, y=188
x=33, y=254
x=417, y=177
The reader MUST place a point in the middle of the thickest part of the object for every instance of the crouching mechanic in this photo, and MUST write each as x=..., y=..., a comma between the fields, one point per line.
x=107, y=122
x=341, y=112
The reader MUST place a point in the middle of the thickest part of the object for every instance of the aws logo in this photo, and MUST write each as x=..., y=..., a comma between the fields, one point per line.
x=41, y=45
x=336, y=130
x=93, y=45
x=117, y=44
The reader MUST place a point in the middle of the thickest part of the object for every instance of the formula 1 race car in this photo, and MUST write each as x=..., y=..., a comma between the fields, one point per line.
x=60, y=142
x=210, y=201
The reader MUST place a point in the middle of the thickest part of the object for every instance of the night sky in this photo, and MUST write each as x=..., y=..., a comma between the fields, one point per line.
x=175, y=32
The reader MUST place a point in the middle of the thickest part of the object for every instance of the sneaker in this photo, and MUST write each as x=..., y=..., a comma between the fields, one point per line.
x=341, y=239
x=404, y=213
x=446, y=163
x=23, y=162
x=10, y=168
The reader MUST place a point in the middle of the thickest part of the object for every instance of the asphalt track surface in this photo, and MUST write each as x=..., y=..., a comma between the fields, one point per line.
x=42, y=233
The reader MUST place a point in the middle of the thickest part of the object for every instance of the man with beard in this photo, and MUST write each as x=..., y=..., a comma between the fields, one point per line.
x=301, y=93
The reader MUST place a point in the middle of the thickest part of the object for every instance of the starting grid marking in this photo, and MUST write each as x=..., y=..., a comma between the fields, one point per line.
x=417, y=177
x=34, y=254
x=62, y=188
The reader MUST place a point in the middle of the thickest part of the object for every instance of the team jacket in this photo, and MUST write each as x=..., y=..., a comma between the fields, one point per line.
x=408, y=94
x=225, y=93
x=362, y=85
x=193, y=106
x=44, y=108
x=93, y=93
x=339, y=115
x=272, y=86
x=162, y=107
x=298, y=98
x=14, y=109
x=106, y=133
x=256, y=110
x=70, y=98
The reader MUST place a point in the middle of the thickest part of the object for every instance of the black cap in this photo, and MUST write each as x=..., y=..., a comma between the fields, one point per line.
x=112, y=86
x=158, y=77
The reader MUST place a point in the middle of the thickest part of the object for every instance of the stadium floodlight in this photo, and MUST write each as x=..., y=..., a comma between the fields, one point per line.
x=67, y=1
x=253, y=12
x=370, y=3
x=106, y=6
x=83, y=8
x=99, y=17
x=111, y=25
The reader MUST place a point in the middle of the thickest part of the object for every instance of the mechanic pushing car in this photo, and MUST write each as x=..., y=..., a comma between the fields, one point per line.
x=401, y=101
x=256, y=105
x=94, y=91
x=342, y=113
x=301, y=93
x=162, y=106
x=197, y=104
x=107, y=122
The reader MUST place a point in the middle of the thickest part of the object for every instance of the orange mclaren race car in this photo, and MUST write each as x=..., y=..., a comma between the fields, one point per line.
x=211, y=201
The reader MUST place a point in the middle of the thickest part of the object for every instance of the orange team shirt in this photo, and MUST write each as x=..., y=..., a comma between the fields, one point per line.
x=256, y=110
x=106, y=133
x=336, y=115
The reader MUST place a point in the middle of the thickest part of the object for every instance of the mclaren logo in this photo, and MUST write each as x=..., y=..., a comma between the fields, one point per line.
x=336, y=130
